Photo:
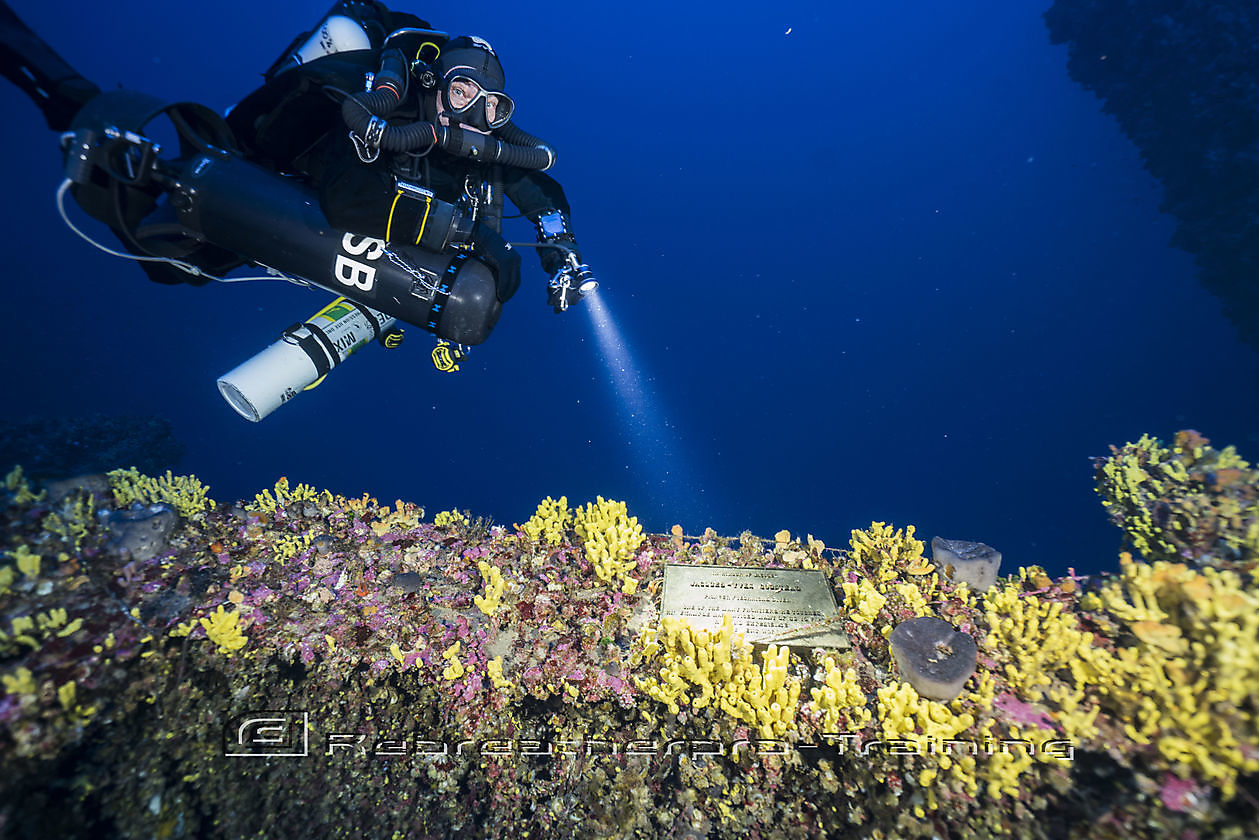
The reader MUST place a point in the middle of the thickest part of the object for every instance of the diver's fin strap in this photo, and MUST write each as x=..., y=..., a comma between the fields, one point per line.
x=391, y=338
x=447, y=356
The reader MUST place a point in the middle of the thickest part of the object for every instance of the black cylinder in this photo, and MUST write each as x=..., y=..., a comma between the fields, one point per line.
x=277, y=222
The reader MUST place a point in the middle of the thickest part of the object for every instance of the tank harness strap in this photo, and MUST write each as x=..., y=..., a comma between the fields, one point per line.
x=443, y=290
x=393, y=208
x=415, y=193
x=438, y=224
x=315, y=344
x=428, y=206
x=367, y=313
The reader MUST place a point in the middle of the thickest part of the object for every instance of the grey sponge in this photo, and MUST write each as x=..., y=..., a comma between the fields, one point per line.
x=140, y=532
x=975, y=563
x=936, y=659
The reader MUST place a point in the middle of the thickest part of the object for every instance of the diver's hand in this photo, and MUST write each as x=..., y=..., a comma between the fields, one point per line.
x=570, y=284
x=557, y=252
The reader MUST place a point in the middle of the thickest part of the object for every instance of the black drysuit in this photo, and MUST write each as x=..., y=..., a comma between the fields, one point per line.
x=293, y=125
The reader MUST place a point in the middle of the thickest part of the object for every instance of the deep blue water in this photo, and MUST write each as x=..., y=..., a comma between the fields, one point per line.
x=874, y=262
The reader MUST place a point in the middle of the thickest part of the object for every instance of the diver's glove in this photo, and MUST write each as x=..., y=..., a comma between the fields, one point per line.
x=570, y=283
x=555, y=241
x=555, y=253
x=557, y=249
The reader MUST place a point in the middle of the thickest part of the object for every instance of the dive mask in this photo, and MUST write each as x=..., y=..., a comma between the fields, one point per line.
x=473, y=105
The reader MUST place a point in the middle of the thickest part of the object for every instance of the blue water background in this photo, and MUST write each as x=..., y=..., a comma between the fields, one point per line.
x=874, y=262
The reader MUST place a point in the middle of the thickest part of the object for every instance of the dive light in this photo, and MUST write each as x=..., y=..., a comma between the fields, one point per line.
x=570, y=284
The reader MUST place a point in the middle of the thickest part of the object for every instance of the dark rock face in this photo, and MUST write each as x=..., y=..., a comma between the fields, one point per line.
x=95, y=485
x=1182, y=78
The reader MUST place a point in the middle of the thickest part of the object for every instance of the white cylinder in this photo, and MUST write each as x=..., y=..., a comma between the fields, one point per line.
x=268, y=380
x=337, y=33
x=292, y=364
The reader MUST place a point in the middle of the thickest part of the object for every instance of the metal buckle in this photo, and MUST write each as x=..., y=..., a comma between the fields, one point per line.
x=368, y=147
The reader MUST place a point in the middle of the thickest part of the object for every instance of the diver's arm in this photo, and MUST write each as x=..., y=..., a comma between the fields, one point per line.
x=541, y=199
x=533, y=192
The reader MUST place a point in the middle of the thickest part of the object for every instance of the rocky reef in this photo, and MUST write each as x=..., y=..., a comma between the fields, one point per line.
x=1182, y=79
x=305, y=664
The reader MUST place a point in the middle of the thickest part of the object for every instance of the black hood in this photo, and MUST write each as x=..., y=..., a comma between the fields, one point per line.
x=470, y=52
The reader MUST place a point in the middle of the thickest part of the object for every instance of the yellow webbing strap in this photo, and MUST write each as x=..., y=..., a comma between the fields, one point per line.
x=389, y=224
x=428, y=206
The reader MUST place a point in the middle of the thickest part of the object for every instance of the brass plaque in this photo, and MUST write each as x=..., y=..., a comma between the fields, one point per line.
x=770, y=606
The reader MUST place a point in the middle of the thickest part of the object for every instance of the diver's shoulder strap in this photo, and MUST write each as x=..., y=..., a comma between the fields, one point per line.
x=281, y=119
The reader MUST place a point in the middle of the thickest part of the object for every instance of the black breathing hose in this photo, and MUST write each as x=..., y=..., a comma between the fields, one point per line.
x=365, y=115
x=516, y=136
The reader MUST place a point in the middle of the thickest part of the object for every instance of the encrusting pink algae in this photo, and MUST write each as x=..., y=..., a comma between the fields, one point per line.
x=307, y=664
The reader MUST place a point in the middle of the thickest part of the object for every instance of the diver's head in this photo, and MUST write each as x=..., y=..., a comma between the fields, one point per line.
x=471, y=82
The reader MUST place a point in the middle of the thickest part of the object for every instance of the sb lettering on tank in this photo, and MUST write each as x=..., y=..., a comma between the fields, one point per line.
x=356, y=272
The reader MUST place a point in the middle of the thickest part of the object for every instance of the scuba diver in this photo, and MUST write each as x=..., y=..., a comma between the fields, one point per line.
x=373, y=162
